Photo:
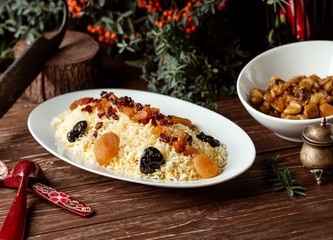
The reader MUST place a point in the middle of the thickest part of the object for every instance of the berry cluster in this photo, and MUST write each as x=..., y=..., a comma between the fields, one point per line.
x=171, y=14
x=164, y=16
x=76, y=6
x=104, y=35
x=151, y=6
x=175, y=14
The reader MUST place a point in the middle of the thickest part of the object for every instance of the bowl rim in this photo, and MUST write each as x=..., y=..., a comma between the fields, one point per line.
x=267, y=52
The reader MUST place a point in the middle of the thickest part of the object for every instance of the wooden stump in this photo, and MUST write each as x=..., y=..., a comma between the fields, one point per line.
x=73, y=67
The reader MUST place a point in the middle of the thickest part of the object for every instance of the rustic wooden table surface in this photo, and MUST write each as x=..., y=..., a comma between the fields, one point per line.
x=246, y=207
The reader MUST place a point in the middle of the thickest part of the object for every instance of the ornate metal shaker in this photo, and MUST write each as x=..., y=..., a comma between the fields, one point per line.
x=317, y=150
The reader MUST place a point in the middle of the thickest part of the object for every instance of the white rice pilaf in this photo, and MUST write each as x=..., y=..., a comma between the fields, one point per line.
x=134, y=139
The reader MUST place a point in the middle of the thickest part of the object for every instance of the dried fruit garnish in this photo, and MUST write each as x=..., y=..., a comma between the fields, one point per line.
x=205, y=138
x=151, y=160
x=77, y=131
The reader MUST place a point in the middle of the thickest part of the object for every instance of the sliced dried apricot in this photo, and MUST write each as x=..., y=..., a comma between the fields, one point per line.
x=81, y=101
x=106, y=147
x=139, y=116
x=181, y=135
x=205, y=166
x=184, y=121
x=178, y=146
x=189, y=150
x=145, y=113
x=128, y=111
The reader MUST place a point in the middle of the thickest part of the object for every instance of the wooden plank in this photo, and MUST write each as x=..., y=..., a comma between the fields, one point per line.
x=253, y=218
x=114, y=200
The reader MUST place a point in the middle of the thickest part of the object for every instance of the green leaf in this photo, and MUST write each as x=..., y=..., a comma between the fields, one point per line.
x=284, y=180
x=300, y=193
x=30, y=38
x=297, y=187
x=124, y=15
x=11, y=29
x=10, y=21
x=287, y=177
x=195, y=20
x=119, y=29
x=101, y=3
x=290, y=192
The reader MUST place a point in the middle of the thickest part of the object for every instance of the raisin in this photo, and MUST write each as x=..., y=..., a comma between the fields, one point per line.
x=114, y=116
x=124, y=102
x=100, y=115
x=163, y=122
x=77, y=131
x=157, y=115
x=188, y=140
x=95, y=134
x=139, y=107
x=144, y=121
x=98, y=125
x=151, y=160
x=205, y=138
x=87, y=108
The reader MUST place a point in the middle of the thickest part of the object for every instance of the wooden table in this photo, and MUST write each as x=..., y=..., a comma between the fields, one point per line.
x=246, y=207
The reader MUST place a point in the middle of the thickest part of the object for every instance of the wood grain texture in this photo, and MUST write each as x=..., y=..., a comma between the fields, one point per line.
x=246, y=207
x=74, y=66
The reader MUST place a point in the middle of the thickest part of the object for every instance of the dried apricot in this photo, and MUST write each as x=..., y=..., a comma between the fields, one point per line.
x=145, y=113
x=189, y=150
x=106, y=147
x=128, y=111
x=184, y=121
x=157, y=130
x=78, y=102
x=205, y=166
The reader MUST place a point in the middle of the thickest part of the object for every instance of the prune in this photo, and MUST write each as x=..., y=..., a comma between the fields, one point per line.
x=77, y=131
x=151, y=160
x=205, y=138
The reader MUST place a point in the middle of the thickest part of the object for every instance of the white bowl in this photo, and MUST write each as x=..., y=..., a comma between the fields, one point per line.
x=286, y=61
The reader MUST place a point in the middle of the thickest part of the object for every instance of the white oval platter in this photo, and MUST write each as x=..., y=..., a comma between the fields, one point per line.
x=239, y=146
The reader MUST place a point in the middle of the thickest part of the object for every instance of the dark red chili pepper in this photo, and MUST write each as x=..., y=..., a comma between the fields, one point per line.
x=300, y=14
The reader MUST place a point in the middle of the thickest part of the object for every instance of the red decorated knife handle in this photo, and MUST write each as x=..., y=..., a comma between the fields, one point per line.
x=61, y=199
x=14, y=225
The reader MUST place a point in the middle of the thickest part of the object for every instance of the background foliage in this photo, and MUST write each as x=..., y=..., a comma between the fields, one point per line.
x=187, y=49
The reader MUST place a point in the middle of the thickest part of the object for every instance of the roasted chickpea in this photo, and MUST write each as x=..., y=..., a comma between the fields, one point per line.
x=325, y=110
x=293, y=108
x=311, y=111
x=256, y=96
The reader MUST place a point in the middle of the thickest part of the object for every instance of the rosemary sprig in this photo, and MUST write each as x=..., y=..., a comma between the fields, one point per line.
x=283, y=179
